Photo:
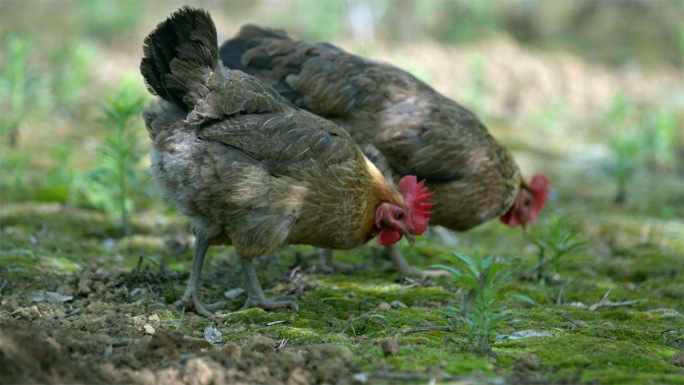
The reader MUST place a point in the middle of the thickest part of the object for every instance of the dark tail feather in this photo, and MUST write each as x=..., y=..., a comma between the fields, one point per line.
x=179, y=56
x=250, y=35
x=231, y=54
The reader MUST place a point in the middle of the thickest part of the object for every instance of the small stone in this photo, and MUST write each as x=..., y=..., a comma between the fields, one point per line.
x=234, y=294
x=398, y=305
x=154, y=318
x=149, y=329
x=677, y=359
x=527, y=362
x=198, y=372
x=291, y=359
x=574, y=325
x=384, y=306
x=232, y=350
x=212, y=335
x=390, y=347
x=260, y=344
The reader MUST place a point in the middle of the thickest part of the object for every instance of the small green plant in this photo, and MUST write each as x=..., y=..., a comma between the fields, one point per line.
x=108, y=186
x=17, y=85
x=626, y=161
x=557, y=241
x=626, y=145
x=109, y=19
x=661, y=132
x=56, y=185
x=13, y=176
x=483, y=307
x=475, y=96
x=70, y=75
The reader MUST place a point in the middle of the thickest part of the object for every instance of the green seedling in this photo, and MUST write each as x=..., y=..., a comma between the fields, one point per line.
x=555, y=243
x=483, y=307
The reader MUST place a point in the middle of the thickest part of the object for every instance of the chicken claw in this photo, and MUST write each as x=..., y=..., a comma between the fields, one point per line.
x=401, y=266
x=206, y=310
x=189, y=299
x=256, y=294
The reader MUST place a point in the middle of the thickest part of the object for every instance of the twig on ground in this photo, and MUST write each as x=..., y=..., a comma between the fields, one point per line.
x=560, y=299
x=365, y=377
x=180, y=320
x=71, y=313
x=604, y=302
x=572, y=321
x=121, y=341
x=154, y=295
x=275, y=323
x=429, y=329
x=282, y=343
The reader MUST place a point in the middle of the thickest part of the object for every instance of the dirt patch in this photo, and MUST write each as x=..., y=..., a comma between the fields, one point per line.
x=68, y=355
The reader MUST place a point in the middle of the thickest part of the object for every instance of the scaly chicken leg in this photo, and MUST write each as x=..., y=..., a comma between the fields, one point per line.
x=256, y=294
x=190, y=296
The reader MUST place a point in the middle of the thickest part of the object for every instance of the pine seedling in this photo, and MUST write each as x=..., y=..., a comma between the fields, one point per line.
x=555, y=243
x=109, y=185
x=483, y=307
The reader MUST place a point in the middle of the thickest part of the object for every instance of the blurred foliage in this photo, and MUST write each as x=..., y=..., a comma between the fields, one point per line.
x=56, y=186
x=647, y=32
x=109, y=18
x=19, y=86
x=70, y=72
x=110, y=184
x=475, y=95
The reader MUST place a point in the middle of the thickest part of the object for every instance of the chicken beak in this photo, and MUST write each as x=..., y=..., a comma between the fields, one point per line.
x=410, y=238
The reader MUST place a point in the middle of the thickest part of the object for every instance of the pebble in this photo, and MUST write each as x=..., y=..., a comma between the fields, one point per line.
x=390, y=347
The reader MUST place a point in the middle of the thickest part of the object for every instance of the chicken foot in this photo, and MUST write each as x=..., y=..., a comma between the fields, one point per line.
x=256, y=296
x=326, y=261
x=189, y=299
x=401, y=265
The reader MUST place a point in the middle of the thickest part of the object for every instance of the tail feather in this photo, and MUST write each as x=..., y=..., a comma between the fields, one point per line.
x=179, y=57
x=232, y=51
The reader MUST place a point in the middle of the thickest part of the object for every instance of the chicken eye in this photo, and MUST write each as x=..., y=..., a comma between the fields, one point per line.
x=399, y=215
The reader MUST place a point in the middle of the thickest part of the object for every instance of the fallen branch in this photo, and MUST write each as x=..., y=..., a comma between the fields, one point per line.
x=364, y=377
x=429, y=329
x=604, y=302
x=71, y=313
x=572, y=321
x=180, y=320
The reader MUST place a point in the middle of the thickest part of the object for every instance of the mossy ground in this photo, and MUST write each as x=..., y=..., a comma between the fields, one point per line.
x=124, y=288
x=52, y=247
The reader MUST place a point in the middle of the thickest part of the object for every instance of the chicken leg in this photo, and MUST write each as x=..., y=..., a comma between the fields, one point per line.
x=401, y=266
x=325, y=259
x=189, y=298
x=256, y=294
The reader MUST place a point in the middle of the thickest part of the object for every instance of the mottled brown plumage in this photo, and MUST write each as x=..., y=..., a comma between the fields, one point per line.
x=250, y=168
x=401, y=123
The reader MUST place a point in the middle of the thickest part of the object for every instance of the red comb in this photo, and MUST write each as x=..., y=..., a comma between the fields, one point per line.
x=416, y=196
x=539, y=187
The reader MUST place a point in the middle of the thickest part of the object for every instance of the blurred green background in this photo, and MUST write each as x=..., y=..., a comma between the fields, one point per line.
x=590, y=92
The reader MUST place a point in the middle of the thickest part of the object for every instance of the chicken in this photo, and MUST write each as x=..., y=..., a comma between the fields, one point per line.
x=402, y=124
x=254, y=171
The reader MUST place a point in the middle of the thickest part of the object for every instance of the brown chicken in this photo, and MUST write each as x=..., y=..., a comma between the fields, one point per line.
x=253, y=170
x=402, y=125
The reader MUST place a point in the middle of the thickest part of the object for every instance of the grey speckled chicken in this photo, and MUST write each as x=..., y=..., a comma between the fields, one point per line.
x=253, y=170
x=402, y=124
